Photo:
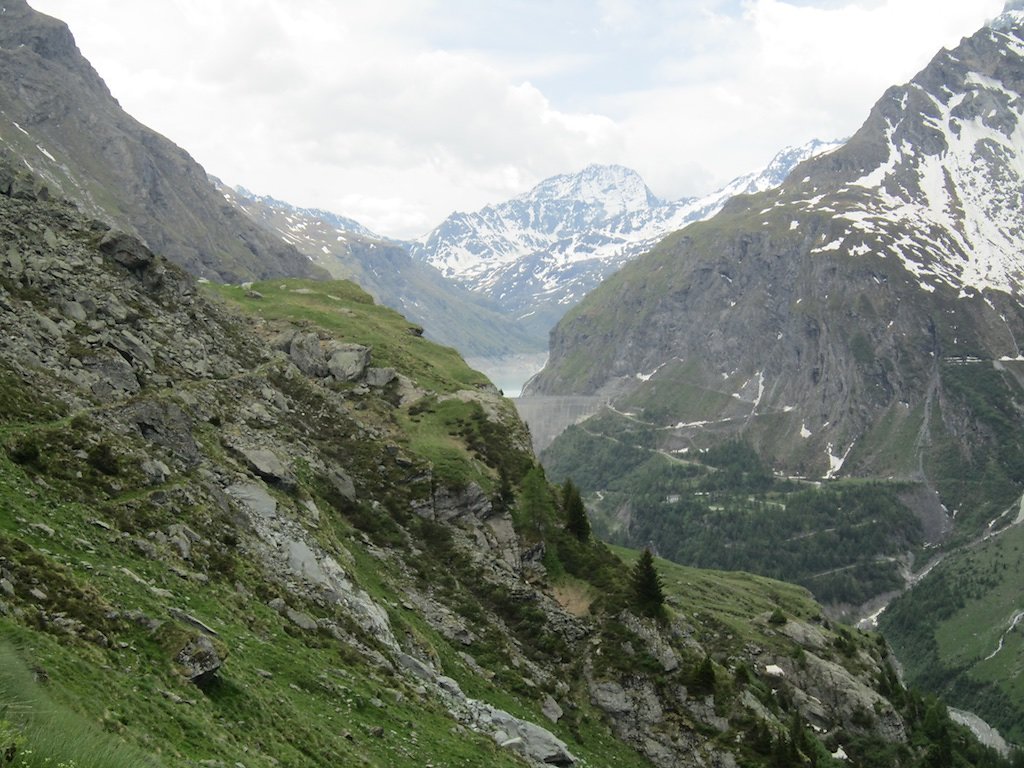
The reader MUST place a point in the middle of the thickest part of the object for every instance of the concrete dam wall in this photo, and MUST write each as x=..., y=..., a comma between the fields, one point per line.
x=548, y=416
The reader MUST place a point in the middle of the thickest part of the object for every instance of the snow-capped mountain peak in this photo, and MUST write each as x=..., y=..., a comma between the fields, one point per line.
x=784, y=162
x=614, y=189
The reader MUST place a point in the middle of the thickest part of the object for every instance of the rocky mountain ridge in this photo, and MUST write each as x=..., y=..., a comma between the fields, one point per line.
x=305, y=533
x=59, y=120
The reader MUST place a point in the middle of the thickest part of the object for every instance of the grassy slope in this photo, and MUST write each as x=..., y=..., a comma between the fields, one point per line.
x=434, y=429
x=349, y=314
x=299, y=713
x=724, y=602
x=284, y=697
x=954, y=630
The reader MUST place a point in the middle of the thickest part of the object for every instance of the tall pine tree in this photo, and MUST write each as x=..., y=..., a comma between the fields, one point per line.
x=648, y=591
x=536, y=506
x=576, y=521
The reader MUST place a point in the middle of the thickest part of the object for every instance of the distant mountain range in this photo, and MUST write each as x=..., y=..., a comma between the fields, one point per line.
x=449, y=313
x=539, y=253
x=493, y=283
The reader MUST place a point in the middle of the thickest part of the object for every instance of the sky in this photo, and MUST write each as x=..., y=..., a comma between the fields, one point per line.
x=398, y=112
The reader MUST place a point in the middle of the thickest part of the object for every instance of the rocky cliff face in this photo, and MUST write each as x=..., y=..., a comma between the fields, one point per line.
x=59, y=120
x=306, y=533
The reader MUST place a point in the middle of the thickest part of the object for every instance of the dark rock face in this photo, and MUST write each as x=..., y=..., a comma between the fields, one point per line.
x=115, y=168
x=166, y=425
x=46, y=37
x=199, y=660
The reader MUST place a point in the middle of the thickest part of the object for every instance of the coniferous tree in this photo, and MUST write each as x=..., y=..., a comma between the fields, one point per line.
x=535, y=503
x=505, y=496
x=576, y=521
x=782, y=753
x=703, y=679
x=799, y=744
x=936, y=727
x=648, y=592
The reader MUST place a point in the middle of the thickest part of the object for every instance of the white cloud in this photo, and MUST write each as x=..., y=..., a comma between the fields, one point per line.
x=398, y=113
x=790, y=73
x=408, y=138
x=335, y=105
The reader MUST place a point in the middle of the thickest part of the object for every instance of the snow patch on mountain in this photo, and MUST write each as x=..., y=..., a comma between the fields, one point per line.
x=1012, y=15
x=961, y=193
x=297, y=225
x=611, y=190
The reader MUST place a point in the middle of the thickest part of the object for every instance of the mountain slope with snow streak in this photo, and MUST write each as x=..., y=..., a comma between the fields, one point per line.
x=859, y=326
x=849, y=292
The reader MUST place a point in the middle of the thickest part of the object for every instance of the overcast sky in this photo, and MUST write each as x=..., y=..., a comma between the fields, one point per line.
x=398, y=112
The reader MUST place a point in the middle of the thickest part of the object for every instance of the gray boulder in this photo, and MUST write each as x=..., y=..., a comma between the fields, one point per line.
x=302, y=620
x=132, y=254
x=269, y=466
x=348, y=362
x=74, y=311
x=531, y=741
x=380, y=377
x=550, y=709
x=415, y=666
x=199, y=660
x=167, y=425
x=254, y=498
x=156, y=471
x=610, y=697
x=132, y=348
x=342, y=483
x=111, y=375
x=25, y=186
x=14, y=262
x=306, y=352
x=48, y=327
